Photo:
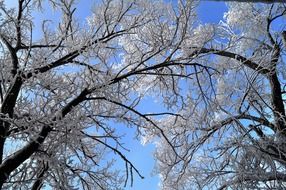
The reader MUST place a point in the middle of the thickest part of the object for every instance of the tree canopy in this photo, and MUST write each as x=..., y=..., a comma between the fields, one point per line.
x=66, y=83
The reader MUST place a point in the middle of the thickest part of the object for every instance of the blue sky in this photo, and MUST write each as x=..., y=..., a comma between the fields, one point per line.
x=208, y=12
x=141, y=156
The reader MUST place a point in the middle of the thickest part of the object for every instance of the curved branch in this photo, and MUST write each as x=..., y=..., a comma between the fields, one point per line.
x=7, y=107
x=245, y=61
x=39, y=181
x=276, y=92
x=270, y=176
x=34, y=46
x=132, y=167
x=15, y=160
x=229, y=120
x=139, y=114
x=13, y=54
x=12, y=162
x=269, y=22
x=70, y=56
x=9, y=101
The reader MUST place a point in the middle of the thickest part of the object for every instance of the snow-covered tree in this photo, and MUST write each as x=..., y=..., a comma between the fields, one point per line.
x=232, y=131
x=67, y=83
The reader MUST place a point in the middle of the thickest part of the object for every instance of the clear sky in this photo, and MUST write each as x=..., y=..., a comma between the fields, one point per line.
x=208, y=12
x=141, y=156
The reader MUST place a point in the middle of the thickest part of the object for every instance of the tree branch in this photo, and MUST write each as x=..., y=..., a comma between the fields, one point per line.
x=12, y=162
x=235, y=56
x=39, y=181
x=69, y=57
x=18, y=23
x=269, y=176
x=139, y=114
x=13, y=54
